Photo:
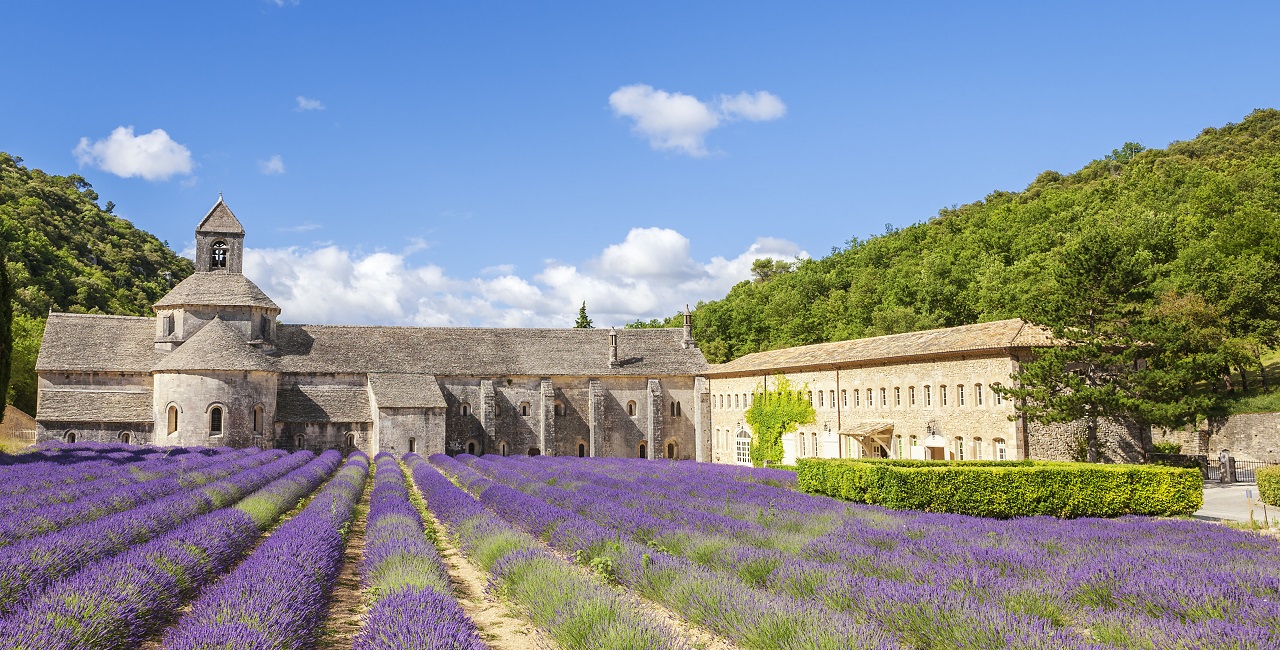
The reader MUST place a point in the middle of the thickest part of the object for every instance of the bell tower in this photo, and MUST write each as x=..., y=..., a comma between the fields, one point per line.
x=220, y=241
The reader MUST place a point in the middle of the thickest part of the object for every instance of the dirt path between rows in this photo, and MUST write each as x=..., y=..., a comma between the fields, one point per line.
x=347, y=605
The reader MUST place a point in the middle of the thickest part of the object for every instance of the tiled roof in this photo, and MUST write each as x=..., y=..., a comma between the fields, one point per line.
x=85, y=405
x=402, y=390
x=216, y=346
x=323, y=404
x=220, y=220
x=97, y=343
x=472, y=352
x=218, y=289
x=993, y=336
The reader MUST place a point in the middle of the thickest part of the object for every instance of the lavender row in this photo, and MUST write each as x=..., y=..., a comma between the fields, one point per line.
x=278, y=597
x=577, y=612
x=117, y=602
x=26, y=567
x=51, y=518
x=930, y=577
x=726, y=605
x=92, y=477
x=46, y=468
x=412, y=604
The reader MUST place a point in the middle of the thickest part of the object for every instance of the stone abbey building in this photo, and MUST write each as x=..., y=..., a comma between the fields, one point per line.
x=215, y=367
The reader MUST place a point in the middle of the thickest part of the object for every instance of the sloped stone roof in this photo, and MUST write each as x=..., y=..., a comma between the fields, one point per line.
x=479, y=352
x=323, y=404
x=216, y=346
x=98, y=343
x=993, y=336
x=83, y=405
x=402, y=390
x=220, y=220
x=217, y=289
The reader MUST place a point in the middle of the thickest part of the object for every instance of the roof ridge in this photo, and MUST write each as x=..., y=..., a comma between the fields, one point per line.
x=118, y=316
x=481, y=328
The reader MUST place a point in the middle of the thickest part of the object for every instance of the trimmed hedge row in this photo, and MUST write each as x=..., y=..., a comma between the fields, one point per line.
x=1269, y=484
x=1010, y=489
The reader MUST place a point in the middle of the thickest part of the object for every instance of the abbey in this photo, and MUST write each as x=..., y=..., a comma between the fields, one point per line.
x=216, y=367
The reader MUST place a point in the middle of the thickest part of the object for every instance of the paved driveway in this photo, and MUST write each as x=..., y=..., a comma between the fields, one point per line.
x=1233, y=502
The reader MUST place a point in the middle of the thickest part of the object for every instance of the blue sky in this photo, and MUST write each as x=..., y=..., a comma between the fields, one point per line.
x=499, y=163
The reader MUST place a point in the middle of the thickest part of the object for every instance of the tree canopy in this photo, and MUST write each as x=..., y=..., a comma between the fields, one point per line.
x=66, y=253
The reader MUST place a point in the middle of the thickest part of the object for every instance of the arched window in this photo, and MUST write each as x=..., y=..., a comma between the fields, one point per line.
x=942, y=395
x=524, y=408
x=959, y=448
x=173, y=419
x=257, y=419
x=815, y=444
x=218, y=256
x=977, y=394
x=215, y=421
x=465, y=408
x=897, y=396
x=899, y=445
x=995, y=390
x=631, y=408
x=977, y=448
x=70, y=436
x=742, y=445
x=471, y=448
x=800, y=438
x=960, y=395
x=124, y=437
x=1001, y=450
x=644, y=451
x=671, y=450
x=884, y=397
x=928, y=396
x=844, y=397
x=413, y=445
x=678, y=413
x=503, y=448
x=911, y=395
x=351, y=440
x=857, y=397
x=299, y=442
x=534, y=451
x=820, y=399
x=870, y=400
x=833, y=399
x=809, y=396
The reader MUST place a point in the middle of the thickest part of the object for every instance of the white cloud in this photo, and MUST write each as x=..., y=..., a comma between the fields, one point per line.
x=649, y=274
x=153, y=156
x=271, y=166
x=679, y=122
x=304, y=227
x=307, y=103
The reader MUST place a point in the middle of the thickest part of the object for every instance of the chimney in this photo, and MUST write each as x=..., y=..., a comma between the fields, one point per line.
x=613, y=348
x=687, y=342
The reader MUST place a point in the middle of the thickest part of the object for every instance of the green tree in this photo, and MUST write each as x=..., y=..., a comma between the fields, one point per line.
x=584, y=321
x=773, y=414
x=6, y=325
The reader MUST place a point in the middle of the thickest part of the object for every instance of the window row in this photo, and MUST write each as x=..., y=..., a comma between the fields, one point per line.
x=526, y=409
x=807, y=445
x=216, y=419
x=958, y=395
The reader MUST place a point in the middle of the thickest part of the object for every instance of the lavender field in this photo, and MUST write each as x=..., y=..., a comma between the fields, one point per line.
x=113, y=546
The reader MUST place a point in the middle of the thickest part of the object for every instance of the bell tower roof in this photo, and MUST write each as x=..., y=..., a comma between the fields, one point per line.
x=220, y=220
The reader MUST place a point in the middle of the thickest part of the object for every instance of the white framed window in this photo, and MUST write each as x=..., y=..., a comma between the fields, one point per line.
x=942, y=395
x=884, y=396
x=800, y=439
x=870, y=401
x=911, y=395
x=996, y=396
x=899, y=445
x=1002, y=451
x=820, y=399
x=742, y=447
x=897, y=396
x=960, y=395
x=977, y=394
x=977, y=448
x=815, y=444
x=844, y=396
x=928, y=396
x=833, y=399
x=959, y=448
x=857, y=397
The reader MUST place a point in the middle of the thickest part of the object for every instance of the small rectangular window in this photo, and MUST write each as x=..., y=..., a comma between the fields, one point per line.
x=897, y=396
x=911, y=395
x=857, y=397
x=942, y=394
x=819, y=398
x=884, y=397
x=977, y=394
x=844, y=397
x=928, y=397
x=960, y=395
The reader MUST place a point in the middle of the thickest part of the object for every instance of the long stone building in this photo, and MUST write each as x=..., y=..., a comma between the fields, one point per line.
x=215, y=367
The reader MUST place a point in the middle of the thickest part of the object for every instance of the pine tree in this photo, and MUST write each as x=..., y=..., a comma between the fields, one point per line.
x=584, y=321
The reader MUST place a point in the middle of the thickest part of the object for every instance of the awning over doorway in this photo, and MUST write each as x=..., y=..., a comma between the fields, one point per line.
x=875, y=428
x=935, y=441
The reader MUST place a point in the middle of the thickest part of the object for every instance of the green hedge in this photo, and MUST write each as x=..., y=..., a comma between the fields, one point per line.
x=1269, y=485
x=1008, y=489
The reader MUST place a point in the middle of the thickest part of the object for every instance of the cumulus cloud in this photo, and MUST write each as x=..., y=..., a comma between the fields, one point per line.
x=153, y=156
x=674, y=121
x=650, y=274
x=308, y=104
x=271, y=166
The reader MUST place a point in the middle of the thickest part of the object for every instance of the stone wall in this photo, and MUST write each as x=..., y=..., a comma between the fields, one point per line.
x=1118, y=441
x=137, y=433
x=1247, y=436
x=196, y=393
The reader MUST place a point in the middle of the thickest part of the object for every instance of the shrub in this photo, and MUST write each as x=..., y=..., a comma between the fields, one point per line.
x=1269, y=485
x=1166, y=447
x=1008, y=489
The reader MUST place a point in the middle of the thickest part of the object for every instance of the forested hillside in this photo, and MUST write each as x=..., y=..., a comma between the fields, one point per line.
x=1199, y=222
x=67, y=253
